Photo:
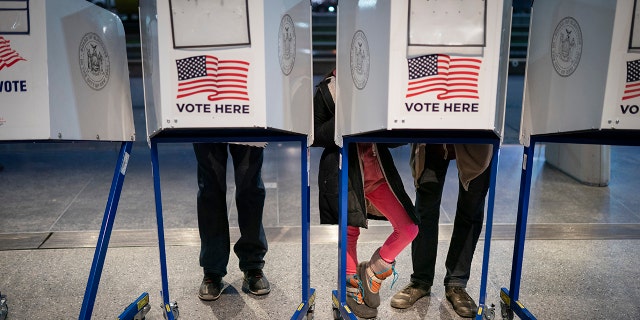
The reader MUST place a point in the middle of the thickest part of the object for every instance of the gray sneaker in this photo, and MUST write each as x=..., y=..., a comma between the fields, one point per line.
x=406, y=297
x=210, y=288
x=355, y=300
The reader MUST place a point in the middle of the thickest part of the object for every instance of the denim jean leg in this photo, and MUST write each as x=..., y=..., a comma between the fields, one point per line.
x=250, y=196
x=467, y=227
x=213, y=223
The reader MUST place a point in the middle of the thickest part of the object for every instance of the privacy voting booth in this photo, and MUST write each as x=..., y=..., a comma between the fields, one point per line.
x=64, y=77
x=232, y=64
x=228, y=71
x=420, y=71
x=422, y=65
x=582, y=68
x=64, y=74
x=582, y=85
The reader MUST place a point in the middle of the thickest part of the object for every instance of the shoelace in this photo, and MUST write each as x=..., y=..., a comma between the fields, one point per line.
x=393, y=272
x=255, y=274
x=360, y=289
x=395, y=275
x=461, y=291
x=408, y=289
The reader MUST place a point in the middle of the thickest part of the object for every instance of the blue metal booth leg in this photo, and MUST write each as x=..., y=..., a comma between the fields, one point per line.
x=307, y=305
x=105, y=231
x=510, y=303
x=155, y=168
x=340, y=308
x=483, y=310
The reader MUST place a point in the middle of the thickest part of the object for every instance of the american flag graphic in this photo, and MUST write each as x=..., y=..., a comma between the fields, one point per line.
x=219, y=79
x=451, y=77
x=632, y=88
x=8, y=56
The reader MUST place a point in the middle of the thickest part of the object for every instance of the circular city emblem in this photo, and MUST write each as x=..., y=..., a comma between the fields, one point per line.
x=566, y=46
x=287, y=44
x=94, y=61
x=360, y=59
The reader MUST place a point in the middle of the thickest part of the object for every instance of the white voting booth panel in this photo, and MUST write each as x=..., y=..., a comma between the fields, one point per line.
x=227, y=64
x=63, y=72
x=583, y=67
x=422, y=65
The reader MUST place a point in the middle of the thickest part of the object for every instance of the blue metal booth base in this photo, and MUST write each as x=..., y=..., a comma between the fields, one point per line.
x=105, y=231
x=306, y=306
x=510, y=303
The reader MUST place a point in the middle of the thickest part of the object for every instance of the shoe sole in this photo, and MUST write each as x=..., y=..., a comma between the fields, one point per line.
x=211, y=297
x=463, y=315
x=208, y=298
x=366, y=312
x=401, y=305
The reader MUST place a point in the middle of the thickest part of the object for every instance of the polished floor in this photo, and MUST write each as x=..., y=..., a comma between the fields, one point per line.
x=580, y=262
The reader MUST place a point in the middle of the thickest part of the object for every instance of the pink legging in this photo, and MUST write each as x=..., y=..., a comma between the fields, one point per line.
x=404, y=229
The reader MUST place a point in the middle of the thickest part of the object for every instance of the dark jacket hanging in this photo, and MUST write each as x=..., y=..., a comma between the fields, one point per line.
x=358, y=208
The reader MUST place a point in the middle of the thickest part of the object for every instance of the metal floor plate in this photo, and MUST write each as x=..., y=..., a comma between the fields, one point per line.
x=318, y=234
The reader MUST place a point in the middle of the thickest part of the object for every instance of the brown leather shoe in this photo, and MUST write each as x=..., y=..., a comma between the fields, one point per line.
x=462, y=303
x=406, y=297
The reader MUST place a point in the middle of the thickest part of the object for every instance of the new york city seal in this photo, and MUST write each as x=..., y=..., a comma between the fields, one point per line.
x=566, y=46
x=287, y=44
x=94, y=61
x=360, y=59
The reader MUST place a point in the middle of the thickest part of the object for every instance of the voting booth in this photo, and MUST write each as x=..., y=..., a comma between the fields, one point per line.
x=582, y=85
x=422, y=65
x=229, y=64
x=63, y=72
x=64, y=77
x=420, y=72
x=228, y=71
x=583, y=68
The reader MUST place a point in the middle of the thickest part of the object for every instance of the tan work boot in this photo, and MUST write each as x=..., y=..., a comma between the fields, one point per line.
x=406, y=297
x=462, y=303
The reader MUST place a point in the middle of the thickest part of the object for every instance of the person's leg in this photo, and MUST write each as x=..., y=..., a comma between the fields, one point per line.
x=353, y=233
x=424, y=248
x=404, y=229
x=250, y=195
x=467, y=227
x=354, y=286
x=381, y=264
x=213, y=224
